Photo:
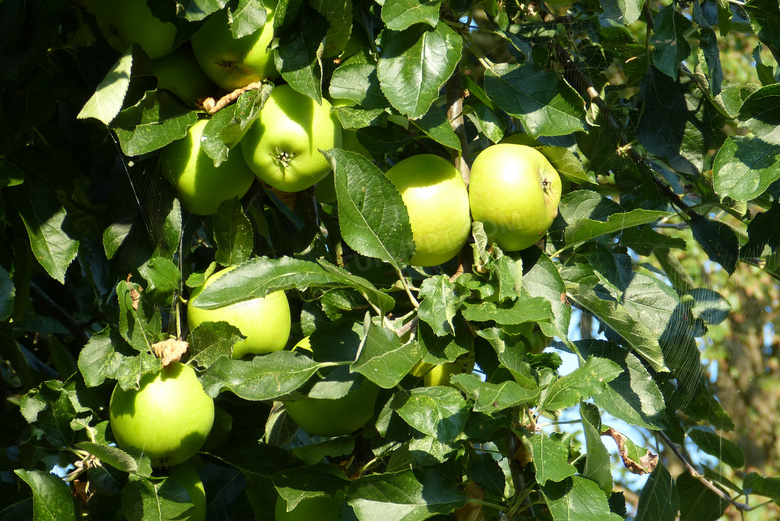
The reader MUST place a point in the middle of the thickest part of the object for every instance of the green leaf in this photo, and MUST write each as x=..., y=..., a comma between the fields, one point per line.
x=532, y=309
x=118, y=458
x=585, y=229
x=297, y=56
x=624, y=12
x=99, y=359
x=7, y=294
x=437, y=127
x=244, y=451
x=489, y=397
x=587, y=380
x=763, y=230
x=754, y=483
x=614, y=315
x=372, y=215
x=210, y=341
x=258, y=379
x=439, y=303
x=415, y=64
x=598, y=465
x=578, y=499
x=567, y=164
x=438, y=411
x=668, y=40
x=140, y=322
x=543, y=280
x=339, y=16
x=358, y=82
x=261, y=275
x=384, y=358
x=248, y=17
x=764, y=16
x=295, y=485
x=109, y=96
x=544, y=103
x=162, y=276
x=158, y=500
x=52, y=499
x=659, y=499
x=402, y=14
x=48, y=226
x=698, y=502
x=413, y=495
x=552, y=457
x=745, y=167
x=155, y=121
x=233, y=234
x=723, y=449
x=224, y=130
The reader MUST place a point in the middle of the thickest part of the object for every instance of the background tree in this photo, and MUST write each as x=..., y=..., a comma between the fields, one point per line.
x=665, y=239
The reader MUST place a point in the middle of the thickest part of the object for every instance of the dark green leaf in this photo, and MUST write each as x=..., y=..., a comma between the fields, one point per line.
x=372, y=215
x=439, y=303
x=211, y=341
x=384, y=358
x=296, y=57
x=578, y=498
x=155, y=121
x=754, y=483
x=490, y=397
x=544, y=103
x=587, y=380
x=415, y=64
x=99, y=359
x=52, y=499
x=598, y=465
x=233, y=234
x=158, y=500
x=295, y=485
x=697, y=502
x=244, y=451
x=659, y=499
x=358, y=82
x=552, y=457
x=721, y=448
x=624, y=12
x=585, y=229
x=162, y=275
x=718, y=240
x=670, y=47
x=339, y=16
x=413, y=495
x=438, y=411
x=140, y=322
x=107, y=100
x=745, y=167
x=401, y=14
x=48, y=226
x=7, y=293
x=259, y=378
x=248, y=17
x=437, y=127
x=763, y=230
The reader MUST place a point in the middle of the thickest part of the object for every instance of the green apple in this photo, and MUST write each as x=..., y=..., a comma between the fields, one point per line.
x=187, y=476
x=440, y=374
x=169, y=417
x=264, y=321
x=514, y=191
x=131, y=21
x=200, y=185
x=283, y=145
x=342, y=416
x=180, y=74
x=233, y=63
x=438, y=205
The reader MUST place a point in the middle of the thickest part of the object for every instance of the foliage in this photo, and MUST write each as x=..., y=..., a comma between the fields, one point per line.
x=660, y=153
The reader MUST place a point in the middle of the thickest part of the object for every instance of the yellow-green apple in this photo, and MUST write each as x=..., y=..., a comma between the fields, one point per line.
x=438, y=206
x=180, y=74
x=200, y=185
x=168, y=417
x=514, y=191
x=345, y=415
x=233, y=63
x=187, y=476
x=440, y=374
x=131, y=21
x=264, y=321
x=283, y=145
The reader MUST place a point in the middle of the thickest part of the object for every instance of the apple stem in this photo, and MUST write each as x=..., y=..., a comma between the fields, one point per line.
x=408, y=290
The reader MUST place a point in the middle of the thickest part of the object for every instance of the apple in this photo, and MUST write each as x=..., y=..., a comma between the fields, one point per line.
x=514, y=191
x=233, y=63
x=186, y=475
x=538, y=341
x=264, y=321
x=283, y=144
x=438, y=205
x=200, y=185
x=169, y=417
x=180, y=74
x=342, y=416
x=131, y=21
x=440, y=374
x=321, y=508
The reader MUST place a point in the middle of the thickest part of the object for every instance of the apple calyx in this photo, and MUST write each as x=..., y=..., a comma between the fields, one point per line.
x=283, y=157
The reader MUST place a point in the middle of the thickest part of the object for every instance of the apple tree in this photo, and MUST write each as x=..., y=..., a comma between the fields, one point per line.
x=377, y=342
